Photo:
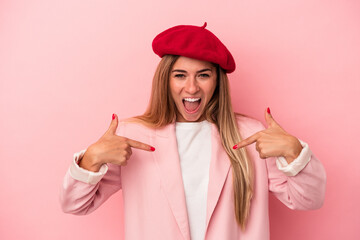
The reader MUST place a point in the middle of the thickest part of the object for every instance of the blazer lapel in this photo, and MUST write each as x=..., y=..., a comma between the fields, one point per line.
x=168, y=162
x=219, y=168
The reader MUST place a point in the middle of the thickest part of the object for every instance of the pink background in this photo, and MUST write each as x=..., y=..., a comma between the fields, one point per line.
x=66, y=66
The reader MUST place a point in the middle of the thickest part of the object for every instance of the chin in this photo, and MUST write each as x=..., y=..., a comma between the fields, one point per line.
x=196, y=118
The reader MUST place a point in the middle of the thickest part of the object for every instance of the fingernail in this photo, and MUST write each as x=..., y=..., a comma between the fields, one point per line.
x=113, y=116
x=235, y=146
x=152, y=148
x=268, y=110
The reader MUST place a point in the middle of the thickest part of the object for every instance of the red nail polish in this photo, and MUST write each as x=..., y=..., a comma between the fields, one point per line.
x=235, y=146
x=268, y=110
x=152, y=148
x=113, y=116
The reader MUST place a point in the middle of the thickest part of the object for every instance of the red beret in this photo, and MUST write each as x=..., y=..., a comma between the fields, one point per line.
x=194, y=42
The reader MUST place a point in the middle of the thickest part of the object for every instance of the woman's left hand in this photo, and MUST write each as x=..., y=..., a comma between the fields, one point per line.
x=273, y=141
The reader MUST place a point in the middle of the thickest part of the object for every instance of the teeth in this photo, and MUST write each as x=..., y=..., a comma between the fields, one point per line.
x=191, y=99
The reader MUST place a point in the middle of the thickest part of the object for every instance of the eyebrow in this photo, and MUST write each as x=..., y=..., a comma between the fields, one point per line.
x=200, y=71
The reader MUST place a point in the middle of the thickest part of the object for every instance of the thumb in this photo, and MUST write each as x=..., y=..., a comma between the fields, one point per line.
x=113, y=125
x=269, y=119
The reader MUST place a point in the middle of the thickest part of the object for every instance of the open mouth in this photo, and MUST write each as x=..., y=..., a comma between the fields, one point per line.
x=191, y=105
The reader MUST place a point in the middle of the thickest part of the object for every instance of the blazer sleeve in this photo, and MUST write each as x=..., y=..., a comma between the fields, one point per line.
x=305, y=190
x=84, y=191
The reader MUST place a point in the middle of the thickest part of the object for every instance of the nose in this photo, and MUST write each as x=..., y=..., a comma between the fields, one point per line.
x=192, y=86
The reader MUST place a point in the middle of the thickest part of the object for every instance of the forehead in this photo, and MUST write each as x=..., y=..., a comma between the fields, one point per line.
x=191, y=64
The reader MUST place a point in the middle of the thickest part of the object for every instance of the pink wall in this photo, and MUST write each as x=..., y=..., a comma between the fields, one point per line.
x=66, y=66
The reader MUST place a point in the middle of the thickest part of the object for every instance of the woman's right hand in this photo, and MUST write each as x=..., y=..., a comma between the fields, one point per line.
x=110, y=148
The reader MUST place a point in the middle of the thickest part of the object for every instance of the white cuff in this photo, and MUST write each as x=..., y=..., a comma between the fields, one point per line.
x=84, y=175
x=298, y=164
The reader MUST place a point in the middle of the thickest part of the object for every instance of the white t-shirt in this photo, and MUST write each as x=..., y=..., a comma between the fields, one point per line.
x=194, y=147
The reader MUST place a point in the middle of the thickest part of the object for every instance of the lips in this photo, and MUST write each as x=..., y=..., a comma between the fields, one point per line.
x=191, y=105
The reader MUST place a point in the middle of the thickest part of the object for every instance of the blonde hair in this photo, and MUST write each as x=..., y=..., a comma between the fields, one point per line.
x=162, y=111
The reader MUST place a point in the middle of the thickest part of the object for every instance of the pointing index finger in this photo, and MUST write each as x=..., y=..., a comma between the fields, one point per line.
x=140, y=145
x=253, y=138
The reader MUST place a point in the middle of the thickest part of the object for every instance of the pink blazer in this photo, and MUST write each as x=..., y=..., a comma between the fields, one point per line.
x=153, y=192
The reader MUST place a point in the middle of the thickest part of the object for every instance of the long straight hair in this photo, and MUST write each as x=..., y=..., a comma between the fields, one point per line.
x=162, y=111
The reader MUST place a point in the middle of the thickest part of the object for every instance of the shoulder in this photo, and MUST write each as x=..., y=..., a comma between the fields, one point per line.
x=248, y=125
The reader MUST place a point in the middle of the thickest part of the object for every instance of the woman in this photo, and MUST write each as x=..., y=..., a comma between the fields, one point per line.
x=197, y=184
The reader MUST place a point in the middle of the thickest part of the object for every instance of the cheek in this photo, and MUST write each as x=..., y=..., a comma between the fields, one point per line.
x=210, y=88
x=175, y=87
x=173, y=90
